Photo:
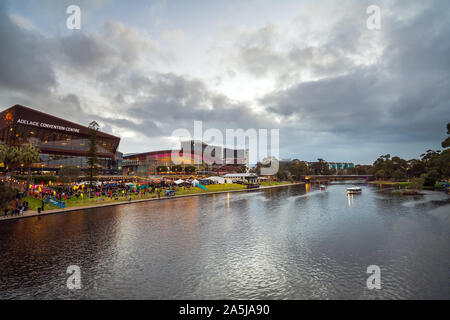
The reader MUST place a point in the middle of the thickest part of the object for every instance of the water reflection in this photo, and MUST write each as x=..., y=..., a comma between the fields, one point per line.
x=350, y=199
x=290, y=242
x=308, y=187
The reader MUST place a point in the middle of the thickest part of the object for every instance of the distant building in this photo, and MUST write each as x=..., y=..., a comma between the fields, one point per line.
x=336, y=165
x=203, y=157
x=248, y=177
x=61, y=142
x=341, y=165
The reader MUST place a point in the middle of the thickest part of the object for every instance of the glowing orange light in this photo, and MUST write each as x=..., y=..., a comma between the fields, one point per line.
x=8, y=117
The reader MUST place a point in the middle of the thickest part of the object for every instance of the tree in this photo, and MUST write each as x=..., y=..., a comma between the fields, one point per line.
x=7, y=194
x=398, y=175
x=28, y=155
x=320, y=167
x=431, y=178
x=69, y=173
x=189, y=169
x=177, y=168
x=445, y=156
x=92, y=160
x=3, y=152
x=380, y=174
x=282, y=173
x=446, y=142
x=362, y=169
x=415, y=168
x=162, y=169
x=417, y=183
x=10, y=156
x=13, y=156
x=445, y=163
x=298, y=168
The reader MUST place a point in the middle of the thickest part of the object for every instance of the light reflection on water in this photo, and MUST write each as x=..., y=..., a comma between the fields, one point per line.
x=281, y=243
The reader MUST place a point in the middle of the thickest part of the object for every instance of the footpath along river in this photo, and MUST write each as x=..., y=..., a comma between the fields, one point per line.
x=284, y=243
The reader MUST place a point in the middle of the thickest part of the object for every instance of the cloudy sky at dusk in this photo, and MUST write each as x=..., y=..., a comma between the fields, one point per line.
x=141, y=69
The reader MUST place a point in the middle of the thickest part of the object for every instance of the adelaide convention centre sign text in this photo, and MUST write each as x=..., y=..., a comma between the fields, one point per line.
x=47, y=125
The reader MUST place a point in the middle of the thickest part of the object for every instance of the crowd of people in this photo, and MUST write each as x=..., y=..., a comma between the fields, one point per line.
x=105, y=190
x=59, y=194
x=19, y=207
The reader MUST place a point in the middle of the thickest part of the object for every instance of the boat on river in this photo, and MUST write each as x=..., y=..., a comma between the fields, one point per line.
x=354, y=190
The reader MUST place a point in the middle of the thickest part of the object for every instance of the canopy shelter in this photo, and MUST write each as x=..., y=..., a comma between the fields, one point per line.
x=131, y=185
x=179, y=181
x=217, y=179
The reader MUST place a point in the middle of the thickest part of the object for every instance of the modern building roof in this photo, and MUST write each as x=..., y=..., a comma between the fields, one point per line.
x=149, y=153
x=26, y=116
x=240, y=175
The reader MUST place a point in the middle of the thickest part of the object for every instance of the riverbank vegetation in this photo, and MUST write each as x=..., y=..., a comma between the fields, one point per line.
x=424, y=172
x=432, y=166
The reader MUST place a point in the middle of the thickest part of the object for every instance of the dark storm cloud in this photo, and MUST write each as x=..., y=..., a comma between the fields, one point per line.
x=24, y=64
x=404, y=98
x=400, y=102
x=172, y=101
x=84, y=52
x=110, y=57
x=262, y=53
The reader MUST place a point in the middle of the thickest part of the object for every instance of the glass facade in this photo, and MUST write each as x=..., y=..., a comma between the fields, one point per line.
x=145, y=164
x=61, y=143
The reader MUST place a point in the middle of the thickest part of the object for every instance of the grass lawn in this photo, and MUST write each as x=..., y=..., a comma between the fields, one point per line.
x=393, y=183
x=34, y=203
x=274, y=183
x=212, y=188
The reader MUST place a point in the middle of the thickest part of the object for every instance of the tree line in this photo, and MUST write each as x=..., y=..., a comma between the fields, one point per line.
x=432, y=166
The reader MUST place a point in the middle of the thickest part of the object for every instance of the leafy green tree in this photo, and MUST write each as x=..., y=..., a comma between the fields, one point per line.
x=3, y=152
x=320, y=167
x=417, y=183
x=398, y=175
x=444, y=160
x=28, y=154
x=431, y=178
x=92, y=161
x=7, y=194
x=446, y=142
x=177, y=168
x=10, y=156
x=189, y=169
x=298, y=169
x=380, y=174
x=445, y=163
x=69, y=173
x=162, y=169
x=283, y=173
x=416, y=167
x=362, y=169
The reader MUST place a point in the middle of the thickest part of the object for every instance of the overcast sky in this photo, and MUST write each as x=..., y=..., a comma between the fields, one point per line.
x=313, y=69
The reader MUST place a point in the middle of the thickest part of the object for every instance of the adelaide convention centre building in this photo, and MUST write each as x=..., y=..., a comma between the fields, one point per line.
x=61, y=142
x=64, y=143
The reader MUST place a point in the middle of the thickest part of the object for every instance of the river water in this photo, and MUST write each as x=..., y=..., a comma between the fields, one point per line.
x=283, y=243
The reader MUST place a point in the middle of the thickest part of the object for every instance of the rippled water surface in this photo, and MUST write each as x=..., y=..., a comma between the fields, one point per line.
x=282, y=243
